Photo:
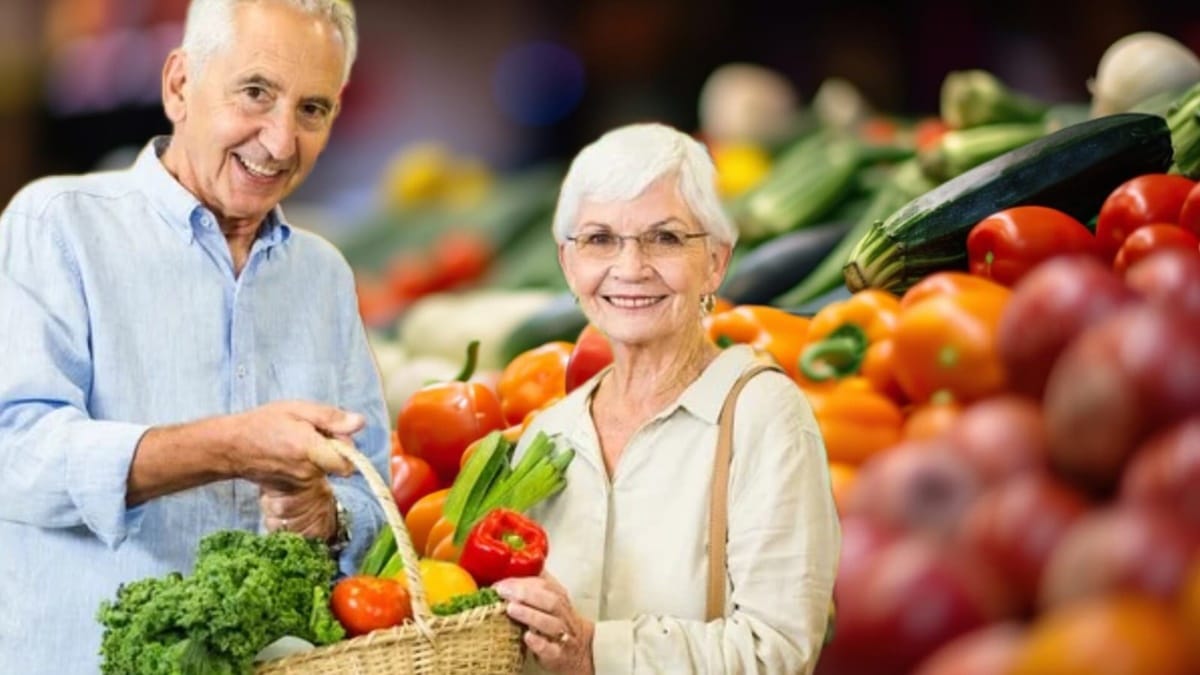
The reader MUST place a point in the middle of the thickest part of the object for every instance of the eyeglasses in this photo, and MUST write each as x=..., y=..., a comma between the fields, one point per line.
x=657, y=243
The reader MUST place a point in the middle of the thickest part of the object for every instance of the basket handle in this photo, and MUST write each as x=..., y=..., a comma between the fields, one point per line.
x=382, y=493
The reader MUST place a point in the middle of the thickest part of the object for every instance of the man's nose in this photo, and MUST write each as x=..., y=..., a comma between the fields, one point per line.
x=278, y=135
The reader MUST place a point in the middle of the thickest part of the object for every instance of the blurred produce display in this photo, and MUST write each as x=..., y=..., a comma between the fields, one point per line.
x=993, y=311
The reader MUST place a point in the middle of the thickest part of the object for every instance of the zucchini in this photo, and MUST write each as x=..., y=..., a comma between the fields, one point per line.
x=906, y=182
x=806, y=184
x=777, y=265
x=559, y=319
x=1183, y=118
x=1073, y=170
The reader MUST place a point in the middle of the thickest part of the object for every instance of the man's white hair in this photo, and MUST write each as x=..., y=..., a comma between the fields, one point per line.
x=622, y=163
x=209, y=27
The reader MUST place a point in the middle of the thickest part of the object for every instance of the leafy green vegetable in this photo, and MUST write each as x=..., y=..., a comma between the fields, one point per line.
x=246, y=592
x=461, y=603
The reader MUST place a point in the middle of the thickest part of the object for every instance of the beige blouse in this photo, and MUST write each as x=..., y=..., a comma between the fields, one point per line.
x=633, y=551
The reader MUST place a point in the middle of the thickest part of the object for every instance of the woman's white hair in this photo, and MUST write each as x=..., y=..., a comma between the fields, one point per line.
x=209, y=27
x=622, y=163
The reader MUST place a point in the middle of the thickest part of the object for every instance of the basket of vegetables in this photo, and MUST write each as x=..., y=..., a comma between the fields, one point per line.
x=477, y=639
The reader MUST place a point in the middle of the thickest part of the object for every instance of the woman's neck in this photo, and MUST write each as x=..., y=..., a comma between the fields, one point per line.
x=648, y=377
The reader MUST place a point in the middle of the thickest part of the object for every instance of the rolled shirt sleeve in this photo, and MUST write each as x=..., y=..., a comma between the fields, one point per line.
x=43, y=425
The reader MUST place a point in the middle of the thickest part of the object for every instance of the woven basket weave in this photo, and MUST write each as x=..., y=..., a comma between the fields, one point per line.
x=480, y=640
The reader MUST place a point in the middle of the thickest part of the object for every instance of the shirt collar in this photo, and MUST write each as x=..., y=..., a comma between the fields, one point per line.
x=180, y=208
x=702, y=398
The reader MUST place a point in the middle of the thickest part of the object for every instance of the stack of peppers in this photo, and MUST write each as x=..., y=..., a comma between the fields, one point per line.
x=875, y=366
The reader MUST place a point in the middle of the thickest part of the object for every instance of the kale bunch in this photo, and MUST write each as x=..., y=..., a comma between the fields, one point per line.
x=245, y=592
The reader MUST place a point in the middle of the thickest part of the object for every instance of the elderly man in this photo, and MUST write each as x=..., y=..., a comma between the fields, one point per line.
x=176, y=356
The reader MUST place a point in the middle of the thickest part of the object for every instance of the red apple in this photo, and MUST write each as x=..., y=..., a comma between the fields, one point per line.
x=1016, y=524
x=1166, y=470
x=1170, y=278
x=991, y=650
x=1001, y=436
x=911, y=597
x=1050, y=306
x=917, y=484
x=1135, y=372
x=1124, y=547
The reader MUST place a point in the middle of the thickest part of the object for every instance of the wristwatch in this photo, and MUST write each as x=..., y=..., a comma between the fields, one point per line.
x=341, y=537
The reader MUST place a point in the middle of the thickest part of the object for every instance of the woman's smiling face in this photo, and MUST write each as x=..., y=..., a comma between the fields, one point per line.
x=642, y=294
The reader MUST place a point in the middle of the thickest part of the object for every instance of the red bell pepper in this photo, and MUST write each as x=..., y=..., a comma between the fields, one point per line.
x=589, y=356
x=504, y=544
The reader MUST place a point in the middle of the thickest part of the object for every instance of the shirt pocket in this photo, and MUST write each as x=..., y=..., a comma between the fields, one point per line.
x=304, y=380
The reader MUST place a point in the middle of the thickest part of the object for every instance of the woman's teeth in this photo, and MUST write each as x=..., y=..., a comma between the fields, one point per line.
x=258, y=169
x=632, y=303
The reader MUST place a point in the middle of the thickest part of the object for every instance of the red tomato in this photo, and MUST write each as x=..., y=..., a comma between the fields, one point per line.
x=589, y=356
x=412, y=478
x=439, y=421
x=409, y=277
x=1189, y=216
x=459, y=257
x=1006, y=245
x=1151, y=198
x=363, y=604
x=1150, y=238
x=928, y=132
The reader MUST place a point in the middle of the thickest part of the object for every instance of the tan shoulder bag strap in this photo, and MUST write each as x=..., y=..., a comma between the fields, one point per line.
x=718, y=519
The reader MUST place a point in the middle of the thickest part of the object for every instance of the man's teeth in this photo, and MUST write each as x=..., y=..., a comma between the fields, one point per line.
x=632, y=302
x=258, y=169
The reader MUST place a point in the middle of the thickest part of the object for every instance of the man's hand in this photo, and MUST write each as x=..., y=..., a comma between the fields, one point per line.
x=307, y=509
x=284, y=446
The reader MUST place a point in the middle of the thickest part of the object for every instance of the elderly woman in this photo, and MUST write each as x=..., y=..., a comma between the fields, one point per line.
x=644, y=244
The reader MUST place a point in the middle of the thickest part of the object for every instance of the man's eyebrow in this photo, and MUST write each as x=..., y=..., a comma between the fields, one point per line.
x=322, y=101
x=259, y=80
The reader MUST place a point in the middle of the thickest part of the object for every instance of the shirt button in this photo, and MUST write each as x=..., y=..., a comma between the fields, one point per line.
x=241, y=372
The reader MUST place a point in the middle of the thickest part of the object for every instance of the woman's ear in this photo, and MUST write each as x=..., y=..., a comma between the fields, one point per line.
x=174, y=86
x=718, y=258
x=564, y=265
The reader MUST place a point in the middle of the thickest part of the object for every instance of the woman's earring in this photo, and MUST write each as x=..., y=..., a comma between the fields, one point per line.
x=708, y=302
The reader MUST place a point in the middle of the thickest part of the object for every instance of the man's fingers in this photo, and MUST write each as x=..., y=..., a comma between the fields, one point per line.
x=329, y=420
x=324, y=454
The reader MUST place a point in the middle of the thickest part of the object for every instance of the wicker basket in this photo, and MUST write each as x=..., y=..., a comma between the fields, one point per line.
x=480, y=640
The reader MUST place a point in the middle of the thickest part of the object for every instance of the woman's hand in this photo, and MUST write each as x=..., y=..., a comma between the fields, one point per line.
x=558, y=637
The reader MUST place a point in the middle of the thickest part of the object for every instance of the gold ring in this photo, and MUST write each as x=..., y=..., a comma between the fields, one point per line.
x=283, y=523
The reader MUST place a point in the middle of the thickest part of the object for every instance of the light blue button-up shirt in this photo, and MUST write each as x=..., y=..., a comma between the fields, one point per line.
x=119, y=310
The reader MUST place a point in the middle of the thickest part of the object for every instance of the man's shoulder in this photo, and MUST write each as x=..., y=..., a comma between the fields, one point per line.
x=315, y=248
x=68, y=191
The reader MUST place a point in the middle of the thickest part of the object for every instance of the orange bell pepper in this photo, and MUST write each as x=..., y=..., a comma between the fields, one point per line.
x=856, y=420
x=947, y=283
x=772, y=331
x=533, y=379
x=947, y=343
x=846, y=337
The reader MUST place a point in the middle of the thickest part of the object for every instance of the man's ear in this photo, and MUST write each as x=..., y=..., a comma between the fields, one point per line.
x=174, y=86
